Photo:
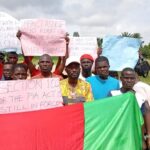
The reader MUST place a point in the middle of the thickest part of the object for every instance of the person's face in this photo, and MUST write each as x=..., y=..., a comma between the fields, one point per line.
x=12, y=58
x=45, y=64
x=20, y=74
x=7, y=71
x=73, y=70
x=128, y=80
x=102, y=69
x=86, y=64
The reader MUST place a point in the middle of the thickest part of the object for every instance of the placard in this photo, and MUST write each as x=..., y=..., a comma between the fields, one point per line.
x=29, y=95
x=82, y=45
x=43, y=36
x=8, y=29
x=121, y=51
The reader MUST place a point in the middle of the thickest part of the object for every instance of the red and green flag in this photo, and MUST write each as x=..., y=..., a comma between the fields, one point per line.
x=110, y=124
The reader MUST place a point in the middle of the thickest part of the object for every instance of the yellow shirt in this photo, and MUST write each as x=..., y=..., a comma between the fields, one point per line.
x=82, y=89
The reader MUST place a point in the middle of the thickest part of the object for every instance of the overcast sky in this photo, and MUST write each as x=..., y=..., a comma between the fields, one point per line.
x=88, y=17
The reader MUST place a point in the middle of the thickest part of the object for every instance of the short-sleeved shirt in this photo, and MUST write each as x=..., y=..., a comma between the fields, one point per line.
x=143, y=89
x=36, y=72
x=82, y=89
x=39, y=76
x=101, y=88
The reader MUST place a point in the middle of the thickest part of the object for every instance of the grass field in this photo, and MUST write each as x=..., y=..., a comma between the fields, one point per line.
x=35, y=61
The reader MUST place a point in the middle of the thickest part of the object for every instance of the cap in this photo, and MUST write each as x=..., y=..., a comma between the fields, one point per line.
x=86, y=56
x=71, y=60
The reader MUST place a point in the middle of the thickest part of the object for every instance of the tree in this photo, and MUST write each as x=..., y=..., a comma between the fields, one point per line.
x=126, y=34
x=146, y=50
x=136, y=35
x=99, y=42
x=76, y=34
x=132, y=35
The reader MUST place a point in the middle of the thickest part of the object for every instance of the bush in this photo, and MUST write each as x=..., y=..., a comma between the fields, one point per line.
x=146, y=51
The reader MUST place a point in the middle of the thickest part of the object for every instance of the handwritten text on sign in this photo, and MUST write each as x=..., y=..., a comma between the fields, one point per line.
x=43, y=36
x=83, y=45
x=8, y=29
x=29, y=95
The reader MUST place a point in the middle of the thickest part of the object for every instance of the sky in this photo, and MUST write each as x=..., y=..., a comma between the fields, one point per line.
x=88, y=17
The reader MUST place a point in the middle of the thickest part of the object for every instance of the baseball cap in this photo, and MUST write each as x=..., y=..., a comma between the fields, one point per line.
x=71, y=60
x=86, y=56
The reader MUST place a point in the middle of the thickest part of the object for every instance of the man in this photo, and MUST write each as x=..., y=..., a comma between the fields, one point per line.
x=86, y=61
x=144, y=90
x=7, y=71
x=60, y=64
x=74, y=88
x=128, y=79
x=102, y=83
x=12, y=57
x=19, y=72
x=46, y=64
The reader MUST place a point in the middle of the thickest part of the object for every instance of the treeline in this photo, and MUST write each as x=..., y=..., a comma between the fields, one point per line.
x=146, y=50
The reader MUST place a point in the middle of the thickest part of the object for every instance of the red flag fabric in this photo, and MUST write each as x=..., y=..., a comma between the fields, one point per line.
x=53, y=129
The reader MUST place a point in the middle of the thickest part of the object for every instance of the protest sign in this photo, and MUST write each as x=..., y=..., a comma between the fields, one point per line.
x=43, y=36
x=8, y=29
x=82, y=45
x=121, y=51
x=29, y=95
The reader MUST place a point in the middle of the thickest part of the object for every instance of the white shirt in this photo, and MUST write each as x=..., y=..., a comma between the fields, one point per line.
x=83, y=78
x=140, y=99
x=143, y=89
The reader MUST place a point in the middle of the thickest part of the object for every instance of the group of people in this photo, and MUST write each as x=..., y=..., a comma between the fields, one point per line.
x=80, y=83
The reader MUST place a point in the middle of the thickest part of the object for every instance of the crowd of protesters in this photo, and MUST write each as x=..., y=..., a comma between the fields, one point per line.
x=78, y=82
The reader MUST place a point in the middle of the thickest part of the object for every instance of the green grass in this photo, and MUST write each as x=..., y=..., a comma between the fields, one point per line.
x=36, y=59
x=146, y=80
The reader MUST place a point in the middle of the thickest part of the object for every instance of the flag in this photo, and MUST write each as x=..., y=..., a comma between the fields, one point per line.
x=110, y=124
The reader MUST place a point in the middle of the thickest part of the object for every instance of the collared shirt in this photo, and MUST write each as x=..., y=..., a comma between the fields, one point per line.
x=82, y=89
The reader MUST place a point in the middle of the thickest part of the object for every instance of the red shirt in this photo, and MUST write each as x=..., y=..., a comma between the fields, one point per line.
x=39, y=76
x=1, y=70
x=36, y=72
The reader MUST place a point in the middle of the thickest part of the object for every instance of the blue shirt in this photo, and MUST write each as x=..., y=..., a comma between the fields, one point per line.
x=100, y=87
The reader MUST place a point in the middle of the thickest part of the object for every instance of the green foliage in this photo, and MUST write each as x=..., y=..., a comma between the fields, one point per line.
x=36, y=59
x=146, y=50
x=126, y=34
x=99, y=42
x=76, y=34
x=132, y=35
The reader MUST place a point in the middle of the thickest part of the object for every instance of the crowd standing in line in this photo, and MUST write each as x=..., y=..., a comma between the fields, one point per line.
x=80, y=84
